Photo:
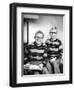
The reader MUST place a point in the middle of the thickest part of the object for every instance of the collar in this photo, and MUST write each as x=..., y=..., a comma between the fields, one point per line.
x=37, y=44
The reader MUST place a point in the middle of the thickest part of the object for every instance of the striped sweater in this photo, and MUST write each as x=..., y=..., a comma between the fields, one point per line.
x=54, y=48
x=35, y=53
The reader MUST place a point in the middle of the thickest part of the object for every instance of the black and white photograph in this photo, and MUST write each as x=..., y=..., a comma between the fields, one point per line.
x=40, y=44
x=43, y=44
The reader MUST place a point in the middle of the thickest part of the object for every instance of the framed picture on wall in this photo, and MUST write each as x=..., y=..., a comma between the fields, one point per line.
x=40, y=44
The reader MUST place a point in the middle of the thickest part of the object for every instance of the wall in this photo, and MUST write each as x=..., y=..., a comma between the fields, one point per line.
x=44, y=24
x=4, y=43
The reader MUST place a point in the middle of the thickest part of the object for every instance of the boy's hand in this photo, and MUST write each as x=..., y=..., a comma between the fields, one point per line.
x=45, y=55
x=53, y=59
x=44, y=63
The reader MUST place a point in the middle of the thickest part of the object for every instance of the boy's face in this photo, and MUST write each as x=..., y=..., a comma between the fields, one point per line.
x=53, y=34
x=39, y=38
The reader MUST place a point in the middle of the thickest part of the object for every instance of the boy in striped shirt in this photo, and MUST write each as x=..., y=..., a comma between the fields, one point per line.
x=54, y=50
x=36, y=54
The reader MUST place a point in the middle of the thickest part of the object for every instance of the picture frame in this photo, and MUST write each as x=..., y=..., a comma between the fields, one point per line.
x=30, y=11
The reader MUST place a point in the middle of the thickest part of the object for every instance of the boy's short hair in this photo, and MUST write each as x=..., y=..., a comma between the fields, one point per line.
x=52, y=29
x=40, y=33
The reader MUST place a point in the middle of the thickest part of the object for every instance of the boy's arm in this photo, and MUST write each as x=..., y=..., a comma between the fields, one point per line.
x=45, y=51
x=61, y=50
x=45, y=55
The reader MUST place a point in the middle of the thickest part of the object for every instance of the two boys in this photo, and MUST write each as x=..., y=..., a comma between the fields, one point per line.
x=44, y=58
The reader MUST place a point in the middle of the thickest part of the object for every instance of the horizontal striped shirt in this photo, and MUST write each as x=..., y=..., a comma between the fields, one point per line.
x=54, y=48
x=35, y=53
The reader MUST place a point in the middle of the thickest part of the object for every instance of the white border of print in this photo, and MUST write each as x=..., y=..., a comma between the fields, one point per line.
x=43, y=78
